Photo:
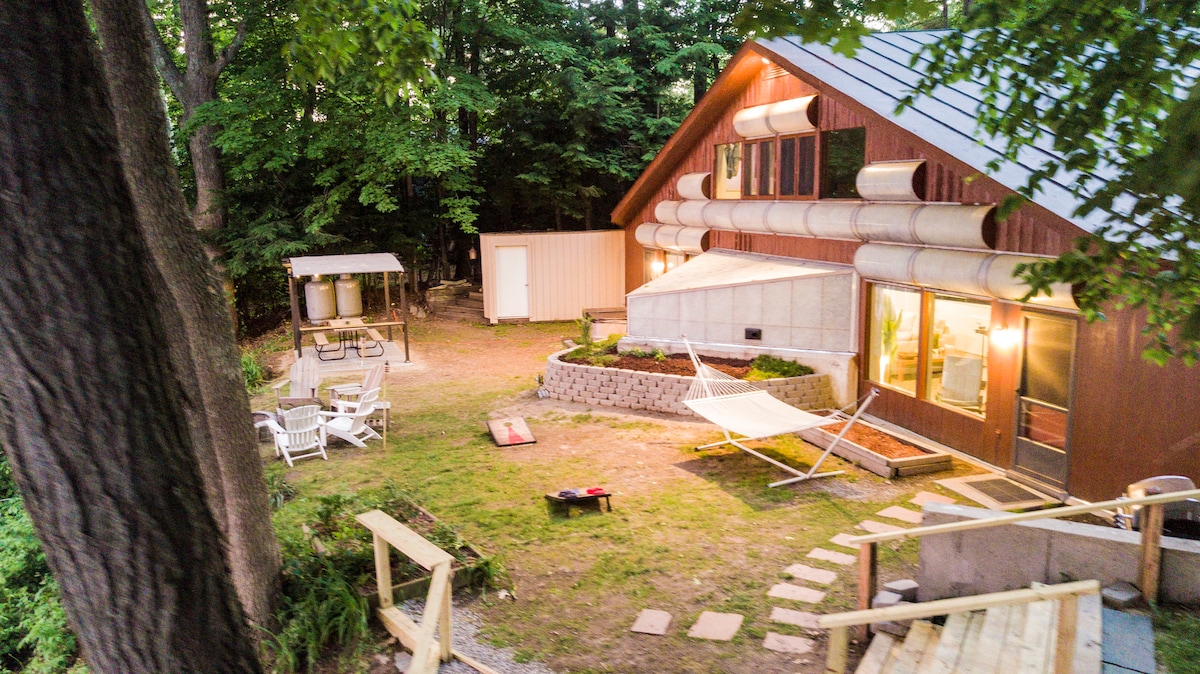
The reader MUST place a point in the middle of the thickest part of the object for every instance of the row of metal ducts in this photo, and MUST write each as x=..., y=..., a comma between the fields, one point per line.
x=980, y=273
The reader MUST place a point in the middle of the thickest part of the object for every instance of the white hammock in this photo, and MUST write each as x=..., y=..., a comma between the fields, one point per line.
x=739, y=407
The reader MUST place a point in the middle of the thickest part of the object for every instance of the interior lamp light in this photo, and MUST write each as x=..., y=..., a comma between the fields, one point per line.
x=658, y=267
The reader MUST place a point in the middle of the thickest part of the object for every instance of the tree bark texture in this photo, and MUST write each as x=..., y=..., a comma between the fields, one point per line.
x=201, y=344
x=90, y=408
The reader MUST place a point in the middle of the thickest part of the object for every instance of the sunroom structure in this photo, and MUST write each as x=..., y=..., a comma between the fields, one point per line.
x=797, y=154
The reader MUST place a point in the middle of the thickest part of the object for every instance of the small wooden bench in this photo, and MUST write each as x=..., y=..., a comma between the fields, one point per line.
x=324, y=347
x=374, y=335
x=569, y=501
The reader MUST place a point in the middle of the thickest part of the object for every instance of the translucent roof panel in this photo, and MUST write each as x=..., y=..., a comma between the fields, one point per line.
x=328, y=265
x=719, y=267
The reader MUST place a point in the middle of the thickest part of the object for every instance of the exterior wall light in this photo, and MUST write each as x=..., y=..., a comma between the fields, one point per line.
x=1005, y=337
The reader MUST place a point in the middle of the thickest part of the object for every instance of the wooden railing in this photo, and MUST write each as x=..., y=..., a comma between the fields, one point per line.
x=1067, y=594
x=1151, y=530
x=436, y=621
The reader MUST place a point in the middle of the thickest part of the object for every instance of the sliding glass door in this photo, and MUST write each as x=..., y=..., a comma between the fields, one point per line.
x=1043, y=438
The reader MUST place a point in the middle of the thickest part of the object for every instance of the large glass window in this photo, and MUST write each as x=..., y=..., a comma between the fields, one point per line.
x=797, y=165
x=653, y=265
x=727, y=174
x=894, y=337
x=758, y=169
x=957, y=353
x=843, y=153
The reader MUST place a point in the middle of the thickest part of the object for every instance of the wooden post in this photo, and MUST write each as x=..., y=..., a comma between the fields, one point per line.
x=446, y=629
x=1064, y=645
x=405, y=314
x=835, y=660
x=383, y=571
x=287, y=267
x=868, y=555
x=1151, y=557
x=387, y=301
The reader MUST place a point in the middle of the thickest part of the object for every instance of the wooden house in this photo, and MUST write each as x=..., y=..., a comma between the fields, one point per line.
x=797, y=159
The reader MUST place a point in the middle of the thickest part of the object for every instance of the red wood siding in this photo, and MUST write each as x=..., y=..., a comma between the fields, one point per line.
x=1131, y=419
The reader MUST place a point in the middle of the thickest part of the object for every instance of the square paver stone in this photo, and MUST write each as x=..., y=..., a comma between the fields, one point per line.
x=795, y=593
x=877, y=527
x=843, y=540
x=831, y=556
x=902, y=514
x=785, y=644
x=810, y=574
x=929, y=497
x=650, y=621
x=801, y=619
x=716, y=626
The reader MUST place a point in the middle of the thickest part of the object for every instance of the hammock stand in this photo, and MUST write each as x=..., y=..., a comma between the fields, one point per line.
x=739, y=407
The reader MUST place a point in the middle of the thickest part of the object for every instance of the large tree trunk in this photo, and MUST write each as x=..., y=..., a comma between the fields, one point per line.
x=90, y=408
x=202, y=347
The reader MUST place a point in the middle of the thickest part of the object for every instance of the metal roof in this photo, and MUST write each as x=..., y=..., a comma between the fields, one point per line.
x=327, y=265
x=878, y=76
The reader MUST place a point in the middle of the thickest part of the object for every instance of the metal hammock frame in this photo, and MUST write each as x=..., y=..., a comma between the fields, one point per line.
x=739, y=407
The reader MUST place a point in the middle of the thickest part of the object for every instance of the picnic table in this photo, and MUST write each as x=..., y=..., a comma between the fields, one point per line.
x=579, y=499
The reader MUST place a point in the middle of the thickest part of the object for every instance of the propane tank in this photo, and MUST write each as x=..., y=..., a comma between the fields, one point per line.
x=318, y=300
x=349, y=297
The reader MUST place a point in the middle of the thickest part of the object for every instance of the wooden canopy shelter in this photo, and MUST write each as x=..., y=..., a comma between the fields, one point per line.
x=331, y=265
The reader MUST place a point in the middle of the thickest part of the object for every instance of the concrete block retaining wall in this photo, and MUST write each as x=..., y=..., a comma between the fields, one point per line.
x=630, y=389
x=1046, y=551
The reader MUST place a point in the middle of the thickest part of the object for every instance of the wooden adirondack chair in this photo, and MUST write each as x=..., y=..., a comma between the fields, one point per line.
x=349, y=422
x=372, y=378
x=305, y=378
x=299, y=433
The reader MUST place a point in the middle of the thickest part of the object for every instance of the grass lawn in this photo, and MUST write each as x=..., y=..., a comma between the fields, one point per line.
x=689, y=532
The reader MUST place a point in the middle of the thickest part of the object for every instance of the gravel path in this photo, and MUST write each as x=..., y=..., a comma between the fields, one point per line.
x=468, y=642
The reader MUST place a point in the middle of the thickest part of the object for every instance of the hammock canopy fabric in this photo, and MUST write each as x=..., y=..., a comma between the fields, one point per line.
x=739, y=407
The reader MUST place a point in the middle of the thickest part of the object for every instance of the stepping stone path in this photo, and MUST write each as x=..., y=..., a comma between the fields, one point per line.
x=650, y=621
x=902, y=514
x=801, y=619
x=831, y=556
x=716, y=626
x=796, y=593
x=808, y=573
x=786, y=644
x=929, y=497
x=877, y=527
x=841, y=539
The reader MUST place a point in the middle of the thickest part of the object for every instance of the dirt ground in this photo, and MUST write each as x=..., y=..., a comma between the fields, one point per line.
x=689, y=531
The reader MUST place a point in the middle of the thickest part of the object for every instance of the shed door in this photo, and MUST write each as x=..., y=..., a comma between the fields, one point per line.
x=512, y=282
x=1043, y=439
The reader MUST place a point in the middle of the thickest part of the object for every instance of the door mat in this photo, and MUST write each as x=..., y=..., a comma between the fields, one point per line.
x=997, y=493
x=511, y=431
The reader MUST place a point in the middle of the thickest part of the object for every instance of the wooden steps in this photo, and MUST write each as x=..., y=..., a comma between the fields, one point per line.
x=1017, y=639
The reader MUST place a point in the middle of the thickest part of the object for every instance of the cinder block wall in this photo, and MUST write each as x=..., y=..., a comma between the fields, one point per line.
x=612, y=387
x=1046, y=551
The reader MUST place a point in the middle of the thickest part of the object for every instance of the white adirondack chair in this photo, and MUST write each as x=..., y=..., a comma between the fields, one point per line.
x=299, y=433
x=349, y=422
x=304, y=378
x=372, y=378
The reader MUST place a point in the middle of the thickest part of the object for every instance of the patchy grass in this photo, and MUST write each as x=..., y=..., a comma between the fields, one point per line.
x=689, y=531
x=1177, y=641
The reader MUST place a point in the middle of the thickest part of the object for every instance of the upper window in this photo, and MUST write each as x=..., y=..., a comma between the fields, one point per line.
x=758, y=169
x=727, y=173
x=797, y=165
x=843, y=153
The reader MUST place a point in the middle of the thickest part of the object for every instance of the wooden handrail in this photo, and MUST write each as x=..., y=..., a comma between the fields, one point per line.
x=1002, y=520
x=960, y=604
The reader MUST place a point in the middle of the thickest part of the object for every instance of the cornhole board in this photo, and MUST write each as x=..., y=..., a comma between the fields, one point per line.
x=511, y=431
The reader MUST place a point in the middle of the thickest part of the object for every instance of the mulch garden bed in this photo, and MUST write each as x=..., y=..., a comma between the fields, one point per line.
x=878, y=441
x=677, y=363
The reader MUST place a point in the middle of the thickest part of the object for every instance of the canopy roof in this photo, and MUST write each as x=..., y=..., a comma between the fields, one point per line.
x=325, y=265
